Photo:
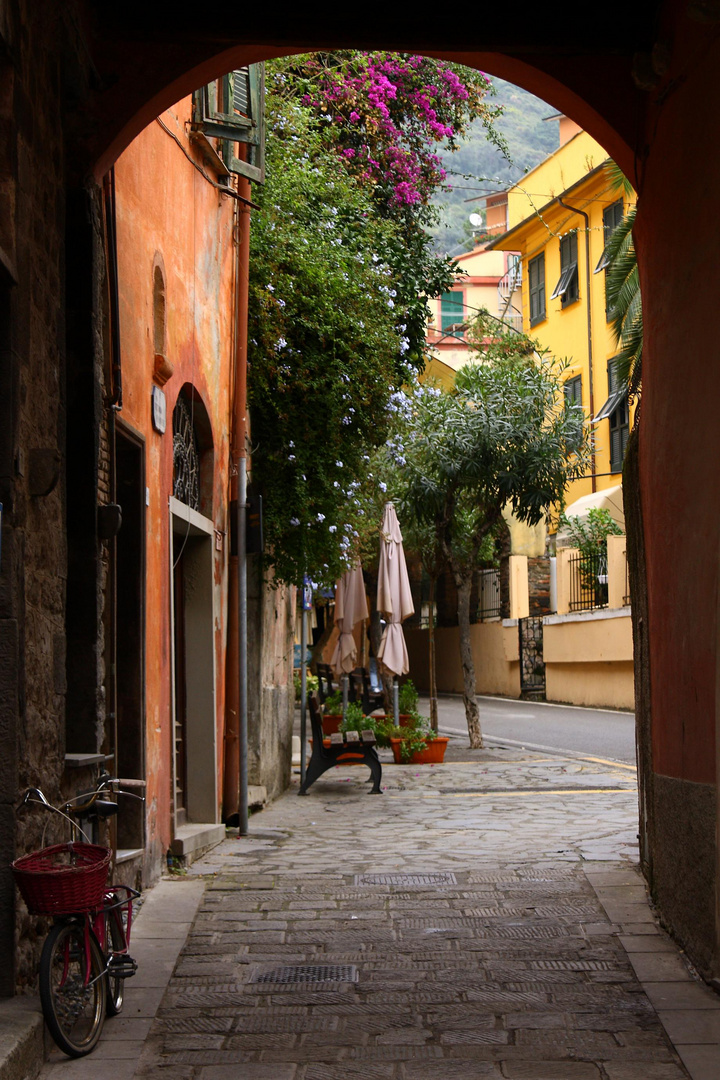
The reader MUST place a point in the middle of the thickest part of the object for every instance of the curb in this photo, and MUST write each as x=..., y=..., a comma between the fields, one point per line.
x=22, y=1039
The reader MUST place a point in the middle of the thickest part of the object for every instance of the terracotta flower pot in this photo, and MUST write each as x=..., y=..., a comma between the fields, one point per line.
x=433, y=754
x=331, y=723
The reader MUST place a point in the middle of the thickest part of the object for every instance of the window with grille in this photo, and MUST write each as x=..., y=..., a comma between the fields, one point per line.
x=451, y=313
x=567, y=288
x=536, y=285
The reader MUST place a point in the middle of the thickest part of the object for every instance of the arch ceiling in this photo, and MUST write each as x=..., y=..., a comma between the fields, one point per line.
x=146, y=58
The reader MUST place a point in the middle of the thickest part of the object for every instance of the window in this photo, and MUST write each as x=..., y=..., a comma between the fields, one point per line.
x=451, y=313
x=573, y=395
x=573, y=390
x=567, y=287
x=612, y=216
x=617, y=411
x=232, y=109
x=536, y=284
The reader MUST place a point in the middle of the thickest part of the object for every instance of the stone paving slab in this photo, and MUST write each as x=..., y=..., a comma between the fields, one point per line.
x=525, y=964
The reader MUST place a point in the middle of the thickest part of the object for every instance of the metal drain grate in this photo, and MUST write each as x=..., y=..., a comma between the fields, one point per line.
x=442, y=878
x=308, y=973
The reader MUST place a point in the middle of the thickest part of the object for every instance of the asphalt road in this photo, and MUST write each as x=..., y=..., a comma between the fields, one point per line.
x=596, y=732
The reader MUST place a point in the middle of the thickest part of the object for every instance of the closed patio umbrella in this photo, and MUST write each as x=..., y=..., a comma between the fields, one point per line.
x=394, y=600
x=350, y=608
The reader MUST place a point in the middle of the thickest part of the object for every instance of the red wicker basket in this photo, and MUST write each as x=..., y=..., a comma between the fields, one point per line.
x=63, y=878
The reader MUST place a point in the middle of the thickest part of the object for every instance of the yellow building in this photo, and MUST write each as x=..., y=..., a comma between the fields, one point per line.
x=491, y=281
x=559, y=217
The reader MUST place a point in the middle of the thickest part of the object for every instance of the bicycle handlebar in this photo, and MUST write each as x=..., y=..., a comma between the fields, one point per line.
x=35, y=795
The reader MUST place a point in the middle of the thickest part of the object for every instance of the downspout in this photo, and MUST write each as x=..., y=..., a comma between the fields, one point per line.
x=114, y=405
x=235, y=788
x=588, y=303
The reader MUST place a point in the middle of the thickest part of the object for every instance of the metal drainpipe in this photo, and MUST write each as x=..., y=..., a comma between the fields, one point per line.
x=235, y=779
x=588, y=303
x=241, y=425
x=114, y=405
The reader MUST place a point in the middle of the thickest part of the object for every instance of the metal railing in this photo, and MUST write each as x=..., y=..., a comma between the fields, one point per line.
x=510, y=281
x=488, y=594
x=588, y=582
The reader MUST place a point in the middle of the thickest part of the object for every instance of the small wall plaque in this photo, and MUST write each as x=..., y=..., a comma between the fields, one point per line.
x=159, y=410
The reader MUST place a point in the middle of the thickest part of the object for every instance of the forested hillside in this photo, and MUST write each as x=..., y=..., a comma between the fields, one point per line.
x=479, y=167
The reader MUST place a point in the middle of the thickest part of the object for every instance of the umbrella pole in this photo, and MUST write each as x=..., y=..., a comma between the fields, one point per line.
x=345, y=681
x=396, y=701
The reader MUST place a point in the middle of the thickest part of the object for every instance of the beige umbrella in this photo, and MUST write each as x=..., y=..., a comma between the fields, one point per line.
x=394, y=598
x=350, y=608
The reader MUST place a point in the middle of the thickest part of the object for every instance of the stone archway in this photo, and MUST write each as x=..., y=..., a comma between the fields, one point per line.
x=646, y=93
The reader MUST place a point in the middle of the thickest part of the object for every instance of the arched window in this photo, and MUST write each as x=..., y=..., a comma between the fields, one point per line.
x=186, y=459
x=158, y=312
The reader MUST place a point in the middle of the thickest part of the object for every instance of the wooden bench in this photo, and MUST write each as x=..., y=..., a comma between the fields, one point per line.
x=363, y=692
x=325, y=681
x=355, y=748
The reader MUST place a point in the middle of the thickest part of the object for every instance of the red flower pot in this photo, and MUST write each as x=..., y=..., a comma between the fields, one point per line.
x=433, y=754
x=331, y=723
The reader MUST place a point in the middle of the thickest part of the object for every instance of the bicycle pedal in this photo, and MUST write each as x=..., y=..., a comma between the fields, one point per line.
x=122, y=967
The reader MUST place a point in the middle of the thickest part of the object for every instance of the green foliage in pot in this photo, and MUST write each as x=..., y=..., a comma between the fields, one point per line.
x=354, y=719
x=333, y=703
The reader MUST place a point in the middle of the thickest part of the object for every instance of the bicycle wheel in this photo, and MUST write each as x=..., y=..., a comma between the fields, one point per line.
x=74, y=1010
x=114, y=942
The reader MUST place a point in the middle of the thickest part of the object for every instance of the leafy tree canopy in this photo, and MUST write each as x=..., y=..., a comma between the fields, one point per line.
x=341, y=268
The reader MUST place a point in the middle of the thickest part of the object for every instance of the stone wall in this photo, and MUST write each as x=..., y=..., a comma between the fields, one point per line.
x=42, y=64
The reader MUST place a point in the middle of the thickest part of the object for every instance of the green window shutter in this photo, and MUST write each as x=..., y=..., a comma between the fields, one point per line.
x=567, y=288
x=573, y=390
x=451, y=312
x=536, y=286
x=232, y=109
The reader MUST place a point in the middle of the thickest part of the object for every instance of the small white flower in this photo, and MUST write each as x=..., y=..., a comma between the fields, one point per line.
x=294, y=521
x=339, y=464
x=382, y=486
x=291, y=444
x=321, y=517
x=291, y=457
x=332, y=528
x=270, y=288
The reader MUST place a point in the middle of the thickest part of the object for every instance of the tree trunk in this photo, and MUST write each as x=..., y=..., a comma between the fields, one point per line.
x=431, y=660
x=472, y=713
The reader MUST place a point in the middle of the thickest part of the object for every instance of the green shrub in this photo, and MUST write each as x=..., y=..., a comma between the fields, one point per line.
x=311, y=685
x=333, y=703
x=354, y=719
x=408, y=697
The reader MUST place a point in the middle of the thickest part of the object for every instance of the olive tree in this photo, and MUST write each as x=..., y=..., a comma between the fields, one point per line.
x=505, y=437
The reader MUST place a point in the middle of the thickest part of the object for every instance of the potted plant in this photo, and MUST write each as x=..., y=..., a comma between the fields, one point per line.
x=417, y=744
x=332, y=713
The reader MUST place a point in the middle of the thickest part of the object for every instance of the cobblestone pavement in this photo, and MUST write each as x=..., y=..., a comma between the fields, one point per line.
x=480, y=919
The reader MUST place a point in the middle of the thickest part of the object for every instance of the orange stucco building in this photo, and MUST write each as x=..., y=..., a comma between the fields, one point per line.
x=176, y=288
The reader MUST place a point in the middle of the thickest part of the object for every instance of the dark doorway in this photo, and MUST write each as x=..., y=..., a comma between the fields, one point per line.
x=180, y=720
x=130, y=728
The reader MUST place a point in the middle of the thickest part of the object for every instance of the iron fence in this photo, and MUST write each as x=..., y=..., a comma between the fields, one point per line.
x=488, y=594
x=588, y=582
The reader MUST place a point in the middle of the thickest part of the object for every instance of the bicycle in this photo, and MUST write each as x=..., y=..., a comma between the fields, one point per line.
x=85, y=959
